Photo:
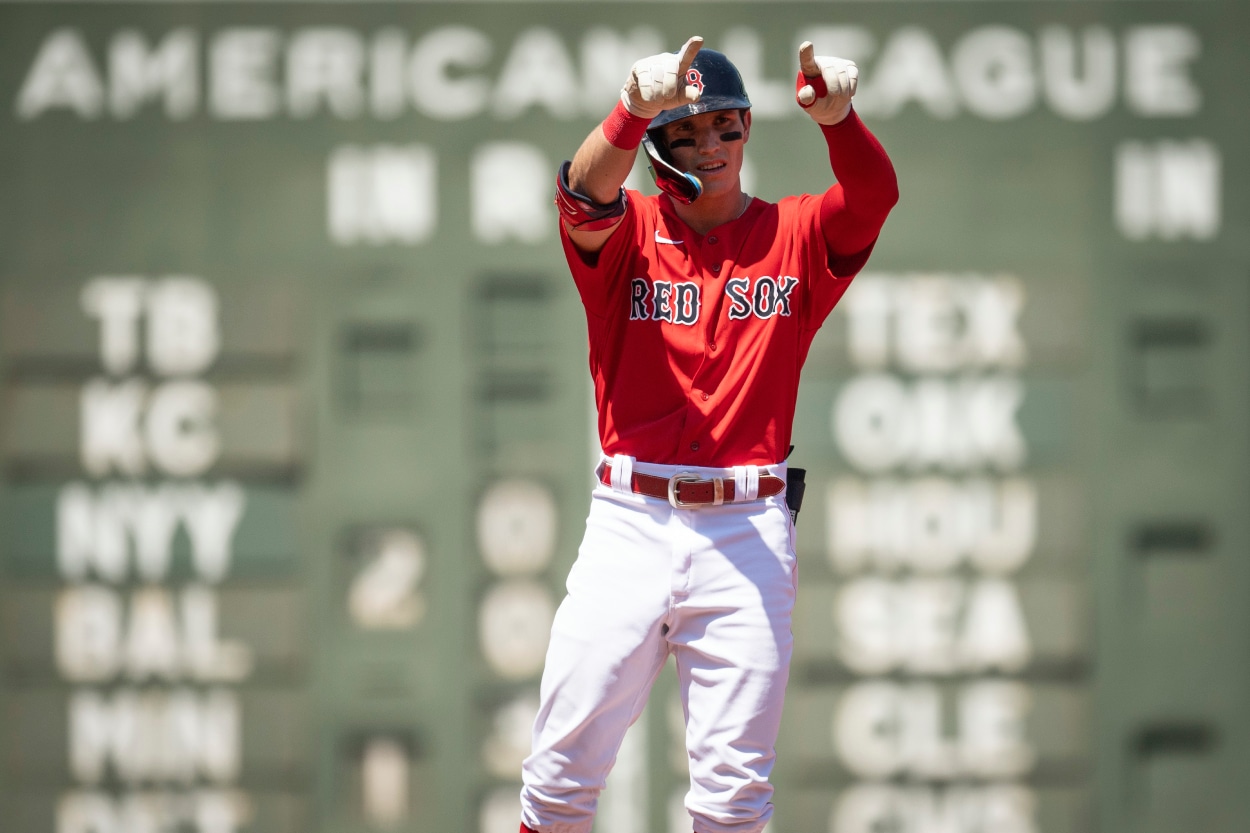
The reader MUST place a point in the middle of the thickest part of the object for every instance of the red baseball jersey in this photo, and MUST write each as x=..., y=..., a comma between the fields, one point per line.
x=696, y=342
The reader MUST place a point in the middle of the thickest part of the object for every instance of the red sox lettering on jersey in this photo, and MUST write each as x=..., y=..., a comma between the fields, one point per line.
x=696, y=341
x=679, y=303
x=764, y=297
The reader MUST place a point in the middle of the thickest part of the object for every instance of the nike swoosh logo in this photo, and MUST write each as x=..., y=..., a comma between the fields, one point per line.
x=660, y=239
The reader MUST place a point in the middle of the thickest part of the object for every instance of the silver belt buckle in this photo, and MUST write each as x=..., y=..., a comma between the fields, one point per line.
x=680, y=477
x=718, y=490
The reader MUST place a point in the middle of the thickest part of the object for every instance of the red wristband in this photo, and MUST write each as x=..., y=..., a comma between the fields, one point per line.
x=623, y=129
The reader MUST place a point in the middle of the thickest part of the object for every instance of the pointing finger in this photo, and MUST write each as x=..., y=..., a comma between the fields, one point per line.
x=810, y=84
x=686, y=56
x=807, y=60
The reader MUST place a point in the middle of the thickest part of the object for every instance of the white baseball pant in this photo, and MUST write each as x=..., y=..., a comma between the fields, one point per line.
x=714, y=587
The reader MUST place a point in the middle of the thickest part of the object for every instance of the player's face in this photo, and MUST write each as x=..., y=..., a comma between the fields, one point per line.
x=709, y=145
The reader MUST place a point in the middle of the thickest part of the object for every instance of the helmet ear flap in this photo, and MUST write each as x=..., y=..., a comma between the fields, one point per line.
x=681, y=186
x=653, y=142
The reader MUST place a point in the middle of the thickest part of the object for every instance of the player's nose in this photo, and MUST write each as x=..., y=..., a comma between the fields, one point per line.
x=708, y=140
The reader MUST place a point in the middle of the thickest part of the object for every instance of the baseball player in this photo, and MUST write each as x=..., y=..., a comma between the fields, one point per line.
x=701, y=304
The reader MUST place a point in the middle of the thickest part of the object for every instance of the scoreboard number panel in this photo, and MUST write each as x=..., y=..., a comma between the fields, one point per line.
x=384, y=588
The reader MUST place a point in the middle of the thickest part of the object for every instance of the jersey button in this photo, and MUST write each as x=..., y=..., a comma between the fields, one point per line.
x=712, y=346
x=713, y=240
x=716, y=268
x=704, y=395
x=694, y=446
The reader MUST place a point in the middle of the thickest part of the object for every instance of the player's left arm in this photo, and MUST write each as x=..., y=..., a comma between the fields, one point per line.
x=853, y=211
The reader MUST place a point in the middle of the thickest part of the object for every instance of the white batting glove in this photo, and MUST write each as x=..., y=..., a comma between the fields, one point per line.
x=825, y=86
x=658, y=83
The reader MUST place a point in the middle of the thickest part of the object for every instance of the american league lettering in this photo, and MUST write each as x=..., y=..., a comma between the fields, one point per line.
x=701, y=305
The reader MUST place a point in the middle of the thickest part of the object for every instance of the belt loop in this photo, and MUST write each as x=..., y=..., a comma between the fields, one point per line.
x=746, y=483
x=623, y=473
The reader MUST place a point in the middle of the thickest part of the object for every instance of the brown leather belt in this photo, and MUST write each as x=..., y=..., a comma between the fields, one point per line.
x=685, y=489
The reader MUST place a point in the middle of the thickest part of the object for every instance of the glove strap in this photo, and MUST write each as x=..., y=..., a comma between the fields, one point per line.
x=816, y=82
x=623, y=129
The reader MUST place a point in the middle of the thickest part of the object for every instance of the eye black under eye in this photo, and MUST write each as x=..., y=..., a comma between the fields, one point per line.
x=681, y=143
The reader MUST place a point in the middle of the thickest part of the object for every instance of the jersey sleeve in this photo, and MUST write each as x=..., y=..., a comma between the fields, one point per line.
x=600, y=275
x=853, y=211
x=826, y=276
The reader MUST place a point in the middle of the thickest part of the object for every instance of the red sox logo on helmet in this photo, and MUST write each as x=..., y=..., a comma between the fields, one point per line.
x=694, y=78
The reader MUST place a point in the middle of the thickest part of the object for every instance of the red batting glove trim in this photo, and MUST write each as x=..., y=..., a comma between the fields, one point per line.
x=623, y=129
x=817, y=83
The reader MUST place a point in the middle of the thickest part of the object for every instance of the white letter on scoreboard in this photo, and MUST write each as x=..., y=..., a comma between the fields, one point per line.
x=325, y=64
x=118, y=304
x=538, y=72
x=137, y=74
x=440, y=79
x=241, y=74
x=109, y=427
x=180, y=431
x=63, y=75
x=382, y=194
x=1157, y=62
x=510, y=193
x=183, y=333
x=1168, y=190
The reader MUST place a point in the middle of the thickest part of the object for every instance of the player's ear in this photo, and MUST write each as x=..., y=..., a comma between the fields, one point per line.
x=746, y=125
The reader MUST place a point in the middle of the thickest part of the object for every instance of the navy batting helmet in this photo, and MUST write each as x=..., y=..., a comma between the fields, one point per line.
x=720, y=88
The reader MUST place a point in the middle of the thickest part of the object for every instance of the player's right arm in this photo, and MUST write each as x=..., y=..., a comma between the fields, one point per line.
x=589, y=189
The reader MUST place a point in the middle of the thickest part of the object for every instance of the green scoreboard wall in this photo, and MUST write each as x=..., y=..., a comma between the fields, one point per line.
x=297, y=433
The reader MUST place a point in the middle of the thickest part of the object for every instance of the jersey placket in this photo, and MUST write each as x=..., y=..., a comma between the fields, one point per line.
x=708, y=257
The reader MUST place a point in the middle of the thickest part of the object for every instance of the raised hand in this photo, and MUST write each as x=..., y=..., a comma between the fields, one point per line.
x=825, y=86
x=658, y=83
